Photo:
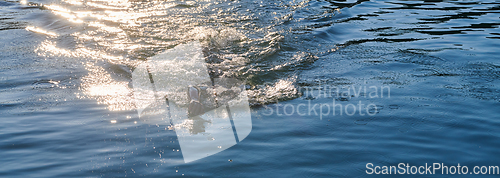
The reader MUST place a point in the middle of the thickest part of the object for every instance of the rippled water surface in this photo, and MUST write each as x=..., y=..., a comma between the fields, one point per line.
x=66, y=94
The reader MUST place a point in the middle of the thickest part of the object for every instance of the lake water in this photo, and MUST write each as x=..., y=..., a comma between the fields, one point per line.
x=426, y=73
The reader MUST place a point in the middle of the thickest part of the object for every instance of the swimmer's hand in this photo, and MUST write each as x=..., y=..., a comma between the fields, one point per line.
x=195, y=107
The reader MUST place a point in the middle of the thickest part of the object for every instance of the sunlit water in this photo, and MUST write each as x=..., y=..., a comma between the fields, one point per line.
x=67, y=106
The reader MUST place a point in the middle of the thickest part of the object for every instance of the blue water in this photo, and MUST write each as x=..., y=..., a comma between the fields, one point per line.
x=66, y=107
